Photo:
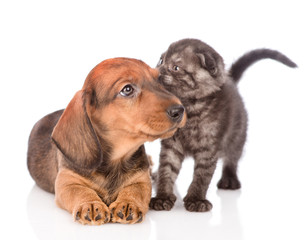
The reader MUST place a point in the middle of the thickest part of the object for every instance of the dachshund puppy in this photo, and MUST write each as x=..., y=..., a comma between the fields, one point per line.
x=216, y=119
x=91, y=155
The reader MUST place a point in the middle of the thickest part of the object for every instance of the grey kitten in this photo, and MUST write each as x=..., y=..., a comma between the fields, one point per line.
x=216, y=119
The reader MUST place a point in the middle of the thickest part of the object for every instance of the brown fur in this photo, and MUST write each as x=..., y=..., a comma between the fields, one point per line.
x=96, y=165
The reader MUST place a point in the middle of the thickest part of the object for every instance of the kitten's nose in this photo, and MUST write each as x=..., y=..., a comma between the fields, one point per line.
x=162, y=70
x=176, y=113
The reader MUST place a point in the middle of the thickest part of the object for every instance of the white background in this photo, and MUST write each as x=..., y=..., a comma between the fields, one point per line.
x=48, y=47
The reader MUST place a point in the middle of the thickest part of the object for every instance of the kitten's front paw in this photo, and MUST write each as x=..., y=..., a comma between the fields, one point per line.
x=163, y=202
x=197, y=205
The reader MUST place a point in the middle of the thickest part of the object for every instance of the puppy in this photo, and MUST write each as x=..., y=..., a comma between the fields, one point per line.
x=91, y=155
x=216, y=119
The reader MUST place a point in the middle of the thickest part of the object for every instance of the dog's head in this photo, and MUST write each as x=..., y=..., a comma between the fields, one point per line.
x=121, y=106
x=191, y=69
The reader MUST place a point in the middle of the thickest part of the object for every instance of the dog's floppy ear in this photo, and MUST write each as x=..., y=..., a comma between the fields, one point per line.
x=75, y=136
x=208, y=62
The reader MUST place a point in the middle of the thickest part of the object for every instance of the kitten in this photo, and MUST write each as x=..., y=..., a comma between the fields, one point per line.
x=216, y=119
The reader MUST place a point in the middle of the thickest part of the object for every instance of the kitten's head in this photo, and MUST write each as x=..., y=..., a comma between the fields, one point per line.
x=191, y=69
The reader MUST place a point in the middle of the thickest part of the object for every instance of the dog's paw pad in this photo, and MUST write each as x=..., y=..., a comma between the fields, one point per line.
x=123, y=212
x=140, y=217
x=92, y=213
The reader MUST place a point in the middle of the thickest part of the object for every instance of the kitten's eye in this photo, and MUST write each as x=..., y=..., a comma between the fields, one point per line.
x=160, y=62
x=175, y=68
x=127, y=91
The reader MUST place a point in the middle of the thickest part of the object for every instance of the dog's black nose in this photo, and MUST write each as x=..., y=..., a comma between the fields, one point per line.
x=176, y=113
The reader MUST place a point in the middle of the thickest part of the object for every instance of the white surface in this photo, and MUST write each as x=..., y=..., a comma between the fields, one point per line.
x=48, y=48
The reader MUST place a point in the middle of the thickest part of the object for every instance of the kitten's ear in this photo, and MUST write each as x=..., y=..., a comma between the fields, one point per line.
x=208, y=62
x=75, y=136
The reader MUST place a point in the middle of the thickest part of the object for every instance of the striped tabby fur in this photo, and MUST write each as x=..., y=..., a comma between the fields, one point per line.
x=216, y=119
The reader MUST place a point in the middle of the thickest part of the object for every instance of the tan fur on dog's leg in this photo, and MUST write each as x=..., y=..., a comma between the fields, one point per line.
x=92, y=154
x=73, y=194
x=132, y=202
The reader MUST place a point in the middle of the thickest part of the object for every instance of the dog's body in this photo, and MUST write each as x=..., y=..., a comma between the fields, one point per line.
x=216, y=119
x=91, y=154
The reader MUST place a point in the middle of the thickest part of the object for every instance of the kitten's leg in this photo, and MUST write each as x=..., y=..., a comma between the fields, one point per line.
x=195, y=200
x=229, y=179
x=170, y=164
x=233, y=149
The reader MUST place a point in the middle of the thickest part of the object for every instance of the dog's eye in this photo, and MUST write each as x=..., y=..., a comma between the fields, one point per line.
x=175, y=68
x=127, y=91
x=160, y=62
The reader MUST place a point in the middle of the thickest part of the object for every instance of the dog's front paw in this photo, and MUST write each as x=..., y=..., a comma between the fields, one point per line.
x=193, y=204
x=92, y=213
x=163, y=202
x=126, y=212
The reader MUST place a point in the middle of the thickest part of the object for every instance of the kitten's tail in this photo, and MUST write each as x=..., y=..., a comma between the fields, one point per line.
x=239, y=66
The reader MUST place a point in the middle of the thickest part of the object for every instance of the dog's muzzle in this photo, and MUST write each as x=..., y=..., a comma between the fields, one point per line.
x=176, y=113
